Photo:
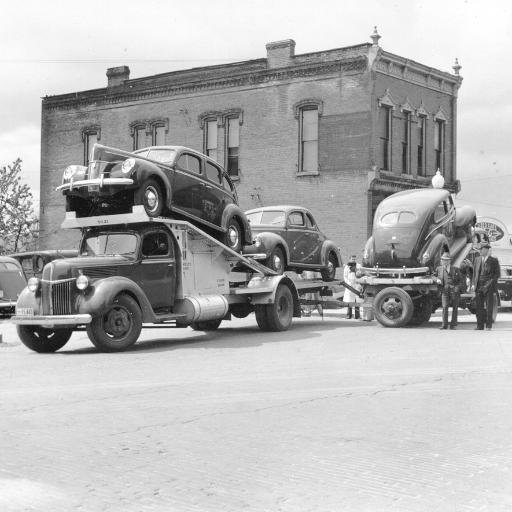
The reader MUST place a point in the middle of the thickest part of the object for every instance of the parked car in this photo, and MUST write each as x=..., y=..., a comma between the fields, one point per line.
x=166, y=180
x=413, y=228
x=12, y=282
x=288, y=238
x=33, y=262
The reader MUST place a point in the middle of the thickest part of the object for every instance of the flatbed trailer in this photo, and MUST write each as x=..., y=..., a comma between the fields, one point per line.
x=213, y=283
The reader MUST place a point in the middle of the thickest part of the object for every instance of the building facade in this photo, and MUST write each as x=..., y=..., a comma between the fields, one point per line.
x=335, y=131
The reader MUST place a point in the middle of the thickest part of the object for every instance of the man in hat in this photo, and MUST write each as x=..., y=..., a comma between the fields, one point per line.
x=450, y=279
x=485, y=280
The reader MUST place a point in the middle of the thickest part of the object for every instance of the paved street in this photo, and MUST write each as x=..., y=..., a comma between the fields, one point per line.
x=333, y=415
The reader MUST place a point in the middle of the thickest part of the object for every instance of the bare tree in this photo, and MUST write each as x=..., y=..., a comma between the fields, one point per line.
x=18, y=223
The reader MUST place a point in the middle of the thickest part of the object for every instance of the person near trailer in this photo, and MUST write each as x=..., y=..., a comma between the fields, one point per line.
x=485, y=279
x=349, y=276
x=450, y=279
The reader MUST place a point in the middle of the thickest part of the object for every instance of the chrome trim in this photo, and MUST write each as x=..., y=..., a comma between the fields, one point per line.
x=255, y=256
x=52, y=319
x=96, y=181
x=7, y=304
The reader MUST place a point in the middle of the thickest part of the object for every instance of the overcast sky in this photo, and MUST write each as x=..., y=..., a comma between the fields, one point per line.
x=55, y=47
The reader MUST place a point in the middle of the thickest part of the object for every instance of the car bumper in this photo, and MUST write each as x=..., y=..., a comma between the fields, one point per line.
x=97, y=182
x=51, y=320
x=255, y=255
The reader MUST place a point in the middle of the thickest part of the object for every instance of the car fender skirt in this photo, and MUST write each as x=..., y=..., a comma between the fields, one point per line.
x=102, y=293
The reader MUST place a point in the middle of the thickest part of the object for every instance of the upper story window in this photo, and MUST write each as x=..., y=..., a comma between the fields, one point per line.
x=139, y=135
x=232, y=146
x=308, y=129
x=406, y=137
x=439, y=133
x=90, y=135
x=421, y=150
x=210, y=138
x=384, y=131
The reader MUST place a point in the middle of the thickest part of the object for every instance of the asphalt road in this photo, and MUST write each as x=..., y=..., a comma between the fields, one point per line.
x=333, y=415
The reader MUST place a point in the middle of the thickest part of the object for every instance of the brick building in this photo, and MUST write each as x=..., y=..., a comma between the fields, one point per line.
x=335, y=131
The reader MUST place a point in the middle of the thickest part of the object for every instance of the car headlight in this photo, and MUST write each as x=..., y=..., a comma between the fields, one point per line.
x=33, y=284
x=82, y=282
x=128, y=165
x=257, y=241
x=71, y=171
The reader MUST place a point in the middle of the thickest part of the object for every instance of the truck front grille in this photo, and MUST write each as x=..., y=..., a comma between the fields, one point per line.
x=61, y=298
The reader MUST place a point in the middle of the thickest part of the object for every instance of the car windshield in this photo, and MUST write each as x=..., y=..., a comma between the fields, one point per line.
x=164, y=156
x=268, y=217
x=111, y=244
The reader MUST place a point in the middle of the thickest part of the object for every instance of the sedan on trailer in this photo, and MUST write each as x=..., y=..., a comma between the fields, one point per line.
x=288, y=238
x=165, y=180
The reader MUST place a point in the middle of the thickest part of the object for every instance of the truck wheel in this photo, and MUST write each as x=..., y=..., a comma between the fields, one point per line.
x=422, y=310
x=150, y=196
x=42, y=340
x=393, y=307
x=276, y=260
x=206, y=325
x=329, y=273
x=260, y=311
x=241, y=310
x=280, y=313
x=233, y=236
x=118, y=327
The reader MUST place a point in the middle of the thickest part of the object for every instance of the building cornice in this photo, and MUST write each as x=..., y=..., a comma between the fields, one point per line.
x=389, y=182
x=130, y=91
x=414, y=72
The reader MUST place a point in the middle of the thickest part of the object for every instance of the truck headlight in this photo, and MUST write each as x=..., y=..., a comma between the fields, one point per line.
x=82, y=282
x=128, y=165
x=33, y=284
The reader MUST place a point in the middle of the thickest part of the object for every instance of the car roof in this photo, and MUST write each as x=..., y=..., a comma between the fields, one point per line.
x=179, y=149
x=284, y=207
x=416, y=199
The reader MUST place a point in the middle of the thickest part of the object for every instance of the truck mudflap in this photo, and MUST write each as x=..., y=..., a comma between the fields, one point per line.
x=50, y=320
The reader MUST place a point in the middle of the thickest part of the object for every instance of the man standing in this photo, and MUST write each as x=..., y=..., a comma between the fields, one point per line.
x=349, y=276
x=485, y=279
x=450, y=279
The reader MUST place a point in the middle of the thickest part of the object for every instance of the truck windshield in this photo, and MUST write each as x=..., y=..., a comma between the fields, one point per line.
x=123, y=244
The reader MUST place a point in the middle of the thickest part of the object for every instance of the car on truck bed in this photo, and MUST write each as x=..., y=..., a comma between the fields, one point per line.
x=167, y=181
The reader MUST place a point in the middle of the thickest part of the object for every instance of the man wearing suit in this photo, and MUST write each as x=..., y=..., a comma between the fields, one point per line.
x=450, y=279
x=485, y=279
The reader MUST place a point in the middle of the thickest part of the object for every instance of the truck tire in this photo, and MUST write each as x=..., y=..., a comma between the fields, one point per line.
x=279, y=314
x=393, y=307
x=260, y=310
x=422, y=310
x=206, y=325
x=118, y=327
x=42, y=340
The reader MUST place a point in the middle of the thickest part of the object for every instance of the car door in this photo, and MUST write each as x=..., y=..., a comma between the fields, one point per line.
x=315, y=240
x=215, y=196
x=296, y=237
x=157, y=272
x=188, y=185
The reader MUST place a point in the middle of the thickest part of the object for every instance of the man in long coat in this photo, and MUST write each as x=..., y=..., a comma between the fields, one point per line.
x=485, y=280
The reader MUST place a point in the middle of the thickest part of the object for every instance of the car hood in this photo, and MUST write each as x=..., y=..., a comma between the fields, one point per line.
x=91, y=266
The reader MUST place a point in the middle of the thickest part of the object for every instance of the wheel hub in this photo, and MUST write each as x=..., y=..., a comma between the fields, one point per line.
x=233, y=236
x=151, y=198
x=117, y=322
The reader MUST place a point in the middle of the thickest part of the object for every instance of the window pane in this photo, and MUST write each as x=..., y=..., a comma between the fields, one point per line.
x=213, y=173
x=296, y=219
x=384, y=122
x=436, y=135
x=389, y=219
x=159, y=136
x=166, y=156
x=212, y=153
x=233, y=161
x=233, y=132
x=140, y=137
x=190, y=163
x=211, y=135
x=310, y=156
x=91, y=139
x=309, y=125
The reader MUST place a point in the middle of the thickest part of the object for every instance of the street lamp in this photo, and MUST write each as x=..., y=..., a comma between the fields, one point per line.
x=438, y=180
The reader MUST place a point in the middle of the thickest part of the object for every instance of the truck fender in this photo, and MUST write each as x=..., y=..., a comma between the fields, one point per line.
x=270, y=296
x=233, y=210
x=28, y=299
x=102, y=292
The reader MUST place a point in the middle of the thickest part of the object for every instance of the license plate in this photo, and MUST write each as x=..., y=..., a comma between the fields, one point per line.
x=25, y=311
